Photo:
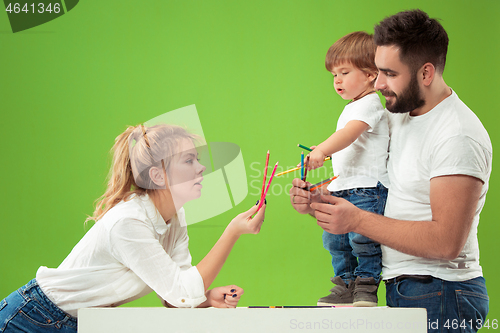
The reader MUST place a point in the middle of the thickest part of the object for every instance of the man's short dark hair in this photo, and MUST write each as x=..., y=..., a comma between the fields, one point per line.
x=419, y=38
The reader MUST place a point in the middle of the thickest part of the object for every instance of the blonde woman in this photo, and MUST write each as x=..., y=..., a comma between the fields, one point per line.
x=139, y=242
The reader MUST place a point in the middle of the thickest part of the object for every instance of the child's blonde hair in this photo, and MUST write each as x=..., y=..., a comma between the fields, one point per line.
x=356, y=48
x=135, y=151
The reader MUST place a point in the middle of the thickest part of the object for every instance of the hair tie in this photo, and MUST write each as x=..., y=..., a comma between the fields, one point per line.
x=145, y=136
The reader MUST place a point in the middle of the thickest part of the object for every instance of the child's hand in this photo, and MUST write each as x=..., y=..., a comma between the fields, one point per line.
x=316, y=159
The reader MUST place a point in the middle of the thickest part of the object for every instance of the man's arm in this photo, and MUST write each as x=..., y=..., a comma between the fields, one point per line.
x=453, y=201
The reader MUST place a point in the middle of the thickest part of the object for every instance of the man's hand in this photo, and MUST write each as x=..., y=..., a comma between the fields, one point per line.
x=336, y=215
x=301, y=198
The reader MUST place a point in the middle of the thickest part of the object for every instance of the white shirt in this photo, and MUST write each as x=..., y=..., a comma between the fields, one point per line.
x=448, y=140
x=364, y=162
x=124, y=256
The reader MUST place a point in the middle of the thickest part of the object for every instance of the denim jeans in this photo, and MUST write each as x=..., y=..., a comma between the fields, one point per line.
x=28, y=309
x=353, y=254
x=451, y=306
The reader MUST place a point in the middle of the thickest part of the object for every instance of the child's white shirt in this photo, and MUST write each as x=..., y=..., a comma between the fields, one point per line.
x=364, y=162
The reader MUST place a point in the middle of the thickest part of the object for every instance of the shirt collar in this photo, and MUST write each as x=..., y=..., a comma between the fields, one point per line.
x=158, y=222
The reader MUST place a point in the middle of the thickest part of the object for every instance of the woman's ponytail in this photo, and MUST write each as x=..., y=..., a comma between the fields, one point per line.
x=121, y=179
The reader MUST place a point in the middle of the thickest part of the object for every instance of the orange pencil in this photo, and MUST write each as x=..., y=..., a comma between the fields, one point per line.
x=320, y=184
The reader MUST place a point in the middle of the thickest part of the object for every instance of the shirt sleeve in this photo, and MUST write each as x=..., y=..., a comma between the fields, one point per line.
x=134, y=244
x=461, y=155
x=368, y=114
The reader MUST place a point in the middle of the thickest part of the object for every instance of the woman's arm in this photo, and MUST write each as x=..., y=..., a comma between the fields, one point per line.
x=211, y=265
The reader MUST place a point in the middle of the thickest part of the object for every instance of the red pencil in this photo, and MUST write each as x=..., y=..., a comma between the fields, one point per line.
x=265, y=176
x=267, y=188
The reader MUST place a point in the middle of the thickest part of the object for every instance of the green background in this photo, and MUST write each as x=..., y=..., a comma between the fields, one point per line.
x=255, y=71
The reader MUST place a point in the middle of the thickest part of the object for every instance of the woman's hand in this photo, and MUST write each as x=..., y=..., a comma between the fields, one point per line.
x=244, y=223
x=224, y=297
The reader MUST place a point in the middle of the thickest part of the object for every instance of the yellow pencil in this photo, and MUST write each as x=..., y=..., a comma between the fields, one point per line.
x=287, y=171
x=295, y=169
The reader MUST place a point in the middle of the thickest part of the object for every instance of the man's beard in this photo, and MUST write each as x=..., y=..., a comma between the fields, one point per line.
x=407, y=101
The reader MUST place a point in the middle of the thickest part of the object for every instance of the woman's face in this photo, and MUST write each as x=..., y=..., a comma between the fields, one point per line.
x=185, y=175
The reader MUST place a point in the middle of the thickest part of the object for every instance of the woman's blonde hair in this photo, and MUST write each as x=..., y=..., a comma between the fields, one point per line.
x=135, y=151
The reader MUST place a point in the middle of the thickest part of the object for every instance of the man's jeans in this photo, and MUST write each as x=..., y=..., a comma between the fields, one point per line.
x=451, y=306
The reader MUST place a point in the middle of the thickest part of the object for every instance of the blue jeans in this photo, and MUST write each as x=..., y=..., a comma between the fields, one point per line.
x=353, y=254
x=451, y=306
x=29, y=310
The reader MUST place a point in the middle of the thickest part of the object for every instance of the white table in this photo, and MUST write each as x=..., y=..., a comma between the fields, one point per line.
x=260, y=320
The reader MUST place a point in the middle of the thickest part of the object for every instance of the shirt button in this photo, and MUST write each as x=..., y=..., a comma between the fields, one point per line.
x=183, y=300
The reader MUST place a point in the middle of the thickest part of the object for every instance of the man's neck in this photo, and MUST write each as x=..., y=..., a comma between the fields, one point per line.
x=437, y=92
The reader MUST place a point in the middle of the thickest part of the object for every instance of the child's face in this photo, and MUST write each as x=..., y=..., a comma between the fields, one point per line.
x=350, y=82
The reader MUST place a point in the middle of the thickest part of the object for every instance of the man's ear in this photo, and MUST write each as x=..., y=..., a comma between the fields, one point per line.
x=428, y=72
x=157, y=176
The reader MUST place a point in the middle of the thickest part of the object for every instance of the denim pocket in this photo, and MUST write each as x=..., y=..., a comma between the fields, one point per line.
x=472, y=309
x=416, y=294
x=412, y=290
x=37, y=315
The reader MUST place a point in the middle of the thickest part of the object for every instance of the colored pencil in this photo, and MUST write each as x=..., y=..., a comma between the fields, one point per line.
x=320, y=184
x=305, y=168
x=309, y=149
x=304, y=147
x=265, y=176
x=267, y=188
x=294, y=169
x=301, y=165
x=287, y=171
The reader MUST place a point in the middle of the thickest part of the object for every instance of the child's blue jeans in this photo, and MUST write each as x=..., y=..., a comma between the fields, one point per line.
x=353, y=254
x=28, y=309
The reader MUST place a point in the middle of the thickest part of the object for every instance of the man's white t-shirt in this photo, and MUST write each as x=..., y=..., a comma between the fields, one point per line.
x=364, y=162
x=448, y=140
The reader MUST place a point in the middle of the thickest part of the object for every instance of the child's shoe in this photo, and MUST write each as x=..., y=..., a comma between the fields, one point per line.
x=365, y=292
x=340, y=294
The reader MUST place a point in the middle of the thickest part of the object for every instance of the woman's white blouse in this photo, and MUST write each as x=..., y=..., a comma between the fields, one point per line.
x=124, y=256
